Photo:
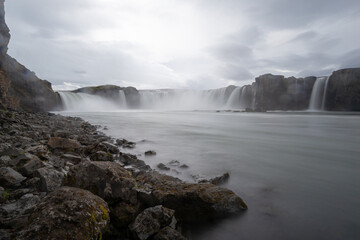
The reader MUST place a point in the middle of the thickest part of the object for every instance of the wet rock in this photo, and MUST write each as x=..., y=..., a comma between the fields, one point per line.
x=129, y=159
x=108, y=180
x=50, y=179
x=10, y=178
x=29, y=168
x=162, y=166
x=192, y=202
x=174, y=163
x=111, y=148
x=63, y=143
x=151, y=220
x=217, y=180
x=150, y=153
x=184, y=166
x=122, y=214
x=168, y=233
x=68, y=213
x=124, y=143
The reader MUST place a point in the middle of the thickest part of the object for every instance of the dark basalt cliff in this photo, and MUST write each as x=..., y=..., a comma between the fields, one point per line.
x=20, y=88
x=343, y=90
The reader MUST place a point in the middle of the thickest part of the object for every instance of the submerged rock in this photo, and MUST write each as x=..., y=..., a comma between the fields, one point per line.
x=68, y=213
x=217, y=180
x=150, y=153
x=162, y=166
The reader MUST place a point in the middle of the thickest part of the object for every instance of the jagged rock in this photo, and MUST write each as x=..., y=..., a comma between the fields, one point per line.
x=10, y=178
x=168, y=233
x=11, y=151
x=29, y=168
x=151, y=220
x=50, y=179
x=192, y=202
x=162, y=166
x=122, y=214
x=150, y=153
x=68, y=213
x=111, y=148
x=105, y=179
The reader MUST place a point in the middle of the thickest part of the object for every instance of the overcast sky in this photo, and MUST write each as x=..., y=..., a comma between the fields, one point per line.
x=199, y=44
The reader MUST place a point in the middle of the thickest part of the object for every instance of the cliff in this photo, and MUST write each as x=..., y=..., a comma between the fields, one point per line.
x=20, y=88
x=343, y=90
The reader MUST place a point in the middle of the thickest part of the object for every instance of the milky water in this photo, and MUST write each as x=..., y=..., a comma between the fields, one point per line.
x=299, y=173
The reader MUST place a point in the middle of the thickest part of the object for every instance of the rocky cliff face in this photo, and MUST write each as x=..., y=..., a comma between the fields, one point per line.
x=275, y=92
x=20, y=88
x=111, y=92
x=343, y=90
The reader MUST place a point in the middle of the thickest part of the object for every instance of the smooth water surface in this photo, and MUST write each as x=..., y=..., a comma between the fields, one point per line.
x=299, y=173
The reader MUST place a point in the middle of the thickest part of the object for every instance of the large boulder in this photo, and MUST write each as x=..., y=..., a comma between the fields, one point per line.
x=192, y=202
x=106, y=179
x=343, y=90
x=50, y=179
x=68, y=213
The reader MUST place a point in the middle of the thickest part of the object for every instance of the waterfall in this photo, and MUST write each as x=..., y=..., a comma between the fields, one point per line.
x=82, y=102
x=169, y=99
x=318, y=94
x=122, y=98
x=235, y=98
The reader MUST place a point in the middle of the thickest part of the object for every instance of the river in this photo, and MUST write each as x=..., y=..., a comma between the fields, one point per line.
x=298, y=172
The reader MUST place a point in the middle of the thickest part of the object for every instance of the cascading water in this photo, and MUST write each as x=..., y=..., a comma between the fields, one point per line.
x=234, y=100
x=318, y=94
x=82, y=102
x=183, y=99
x=122, y=99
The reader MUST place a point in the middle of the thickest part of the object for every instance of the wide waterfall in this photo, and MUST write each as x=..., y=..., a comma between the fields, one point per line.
x=82, y=102
x=170, y=99
x=230, y=97
x=318, y=94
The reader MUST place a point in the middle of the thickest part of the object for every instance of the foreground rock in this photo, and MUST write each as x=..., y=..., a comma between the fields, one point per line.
x=68, y=213
x=192, y=202
x=152, y=220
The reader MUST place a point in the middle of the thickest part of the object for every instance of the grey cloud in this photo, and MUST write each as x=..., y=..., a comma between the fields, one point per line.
x=235, y=72
x=232, y=52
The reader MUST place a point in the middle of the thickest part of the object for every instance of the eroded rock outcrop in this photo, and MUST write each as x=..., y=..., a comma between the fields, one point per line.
x=19, y=87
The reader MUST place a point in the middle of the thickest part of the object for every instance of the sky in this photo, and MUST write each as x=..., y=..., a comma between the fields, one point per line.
x=182, y=44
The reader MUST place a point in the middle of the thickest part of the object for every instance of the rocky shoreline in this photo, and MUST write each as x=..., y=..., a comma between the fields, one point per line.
x=63, y=179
